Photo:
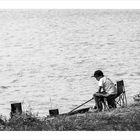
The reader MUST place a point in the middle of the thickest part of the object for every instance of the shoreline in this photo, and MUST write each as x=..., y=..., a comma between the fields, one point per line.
x=119, y=119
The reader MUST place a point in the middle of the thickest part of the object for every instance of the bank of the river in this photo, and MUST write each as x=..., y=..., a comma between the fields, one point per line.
x=120, y=119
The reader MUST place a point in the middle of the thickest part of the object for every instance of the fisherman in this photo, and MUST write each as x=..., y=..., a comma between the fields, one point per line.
x=106, y=89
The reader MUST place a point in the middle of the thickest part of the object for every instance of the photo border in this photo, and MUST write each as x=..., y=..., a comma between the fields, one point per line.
x=67, y=4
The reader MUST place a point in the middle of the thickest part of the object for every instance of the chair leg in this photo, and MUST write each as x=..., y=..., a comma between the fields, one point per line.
x=122, y=101
x=125, y=99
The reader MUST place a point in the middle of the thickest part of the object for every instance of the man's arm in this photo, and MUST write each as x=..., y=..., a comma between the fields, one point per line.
x=100, y=89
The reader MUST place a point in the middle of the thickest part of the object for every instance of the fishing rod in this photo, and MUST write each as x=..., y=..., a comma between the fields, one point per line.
x=80, y=105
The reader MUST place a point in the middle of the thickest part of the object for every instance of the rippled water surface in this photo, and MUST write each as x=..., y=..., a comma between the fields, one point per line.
x=47, y=57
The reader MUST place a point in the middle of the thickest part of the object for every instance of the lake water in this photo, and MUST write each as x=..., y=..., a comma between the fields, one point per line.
x=47, y=57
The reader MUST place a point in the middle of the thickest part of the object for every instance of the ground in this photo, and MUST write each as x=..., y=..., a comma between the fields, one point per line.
x=120, y=119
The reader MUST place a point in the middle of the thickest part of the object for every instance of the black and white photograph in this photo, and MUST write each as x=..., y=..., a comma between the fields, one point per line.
x=69, y=69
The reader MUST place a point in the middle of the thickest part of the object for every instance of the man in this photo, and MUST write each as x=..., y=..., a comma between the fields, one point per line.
x=106, y=89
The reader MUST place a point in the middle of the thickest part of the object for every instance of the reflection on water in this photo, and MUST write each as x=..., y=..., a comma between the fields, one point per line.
x=48, y=56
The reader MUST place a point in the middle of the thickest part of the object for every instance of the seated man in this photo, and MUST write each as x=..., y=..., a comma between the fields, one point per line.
x=106, y=89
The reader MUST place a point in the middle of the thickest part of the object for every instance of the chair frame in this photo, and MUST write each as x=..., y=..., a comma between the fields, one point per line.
x=120, y=98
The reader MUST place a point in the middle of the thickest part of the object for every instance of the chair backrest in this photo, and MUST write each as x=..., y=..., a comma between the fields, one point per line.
x=120, y=88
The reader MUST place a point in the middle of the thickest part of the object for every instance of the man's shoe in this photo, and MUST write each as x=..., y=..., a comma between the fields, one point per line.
x=95, y=107
x=92, y=110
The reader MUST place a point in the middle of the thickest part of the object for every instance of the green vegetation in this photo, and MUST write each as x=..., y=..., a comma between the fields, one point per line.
x=120, y=119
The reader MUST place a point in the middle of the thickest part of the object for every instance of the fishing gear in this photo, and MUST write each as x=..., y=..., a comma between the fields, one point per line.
x=80, y=105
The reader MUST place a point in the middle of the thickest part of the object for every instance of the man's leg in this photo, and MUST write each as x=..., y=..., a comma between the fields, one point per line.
x=98, y=103
x=111, y=101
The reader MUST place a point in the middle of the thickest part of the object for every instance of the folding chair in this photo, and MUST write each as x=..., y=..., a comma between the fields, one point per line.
x=111, y=101
x=120, y=98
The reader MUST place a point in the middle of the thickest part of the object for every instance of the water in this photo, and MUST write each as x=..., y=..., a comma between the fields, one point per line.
x=47, y=57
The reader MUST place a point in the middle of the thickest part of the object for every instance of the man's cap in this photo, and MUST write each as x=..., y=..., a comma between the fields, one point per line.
x=98, y=73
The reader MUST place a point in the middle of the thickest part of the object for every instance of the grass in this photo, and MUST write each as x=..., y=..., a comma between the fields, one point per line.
x=120, y=119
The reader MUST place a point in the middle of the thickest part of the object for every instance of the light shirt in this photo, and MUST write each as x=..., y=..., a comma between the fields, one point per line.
x=108, y=85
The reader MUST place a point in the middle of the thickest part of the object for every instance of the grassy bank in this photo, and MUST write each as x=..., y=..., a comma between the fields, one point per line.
x=120, y=119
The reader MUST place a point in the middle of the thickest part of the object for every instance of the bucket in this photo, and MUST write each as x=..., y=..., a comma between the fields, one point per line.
x=136, y=97
x=54, y=112
x=16, y=109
